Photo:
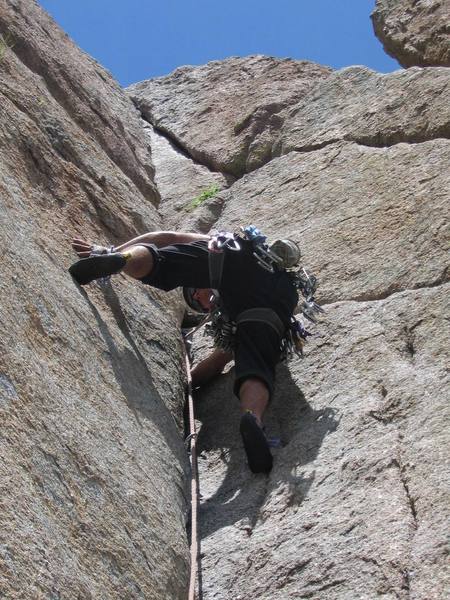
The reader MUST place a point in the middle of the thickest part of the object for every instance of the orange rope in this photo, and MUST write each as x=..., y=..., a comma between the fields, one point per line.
x=194, y=488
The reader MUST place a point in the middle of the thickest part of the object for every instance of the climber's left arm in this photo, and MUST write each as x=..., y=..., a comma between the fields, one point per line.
x=210, y=367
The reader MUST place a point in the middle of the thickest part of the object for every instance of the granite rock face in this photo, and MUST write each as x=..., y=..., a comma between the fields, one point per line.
x=93, y=468
x=356, y=504
x=357, y=498
x=370, y=221
x=351, y=104
x=415, y=32
x=181, y=183
x=357, y=173
x=222, y=113
x=354, y=166
x=373, y=109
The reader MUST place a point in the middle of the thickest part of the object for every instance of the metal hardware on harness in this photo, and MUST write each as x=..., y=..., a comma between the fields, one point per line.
x=294, y=340
x=310, y=308
x=265, y=258
x=216, y=255
x=223, y=239
x=222, y=329
x=307, y=285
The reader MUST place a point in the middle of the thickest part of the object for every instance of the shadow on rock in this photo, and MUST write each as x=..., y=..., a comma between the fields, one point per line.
x=133, y=375
x=302, y=430
x=231, y=494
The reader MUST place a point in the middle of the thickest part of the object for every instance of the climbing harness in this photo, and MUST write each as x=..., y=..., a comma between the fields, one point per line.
x=262, y=315
x=283, y=254
x=216, y=255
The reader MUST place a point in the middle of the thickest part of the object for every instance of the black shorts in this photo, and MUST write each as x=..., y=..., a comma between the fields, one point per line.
x=180, y=265
x=257, y=352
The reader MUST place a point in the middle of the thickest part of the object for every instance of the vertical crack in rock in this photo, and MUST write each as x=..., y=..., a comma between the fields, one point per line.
x=274, y=537
x=412, y=509
x=409, y=342
x=406, y=583
x=388, y=414
x=178, y=146
x=191, y=194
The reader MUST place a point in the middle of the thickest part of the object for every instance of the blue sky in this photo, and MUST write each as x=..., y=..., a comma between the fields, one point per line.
x=140, y=39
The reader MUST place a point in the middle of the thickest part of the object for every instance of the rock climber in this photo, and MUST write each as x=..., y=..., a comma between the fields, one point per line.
x=240, y=280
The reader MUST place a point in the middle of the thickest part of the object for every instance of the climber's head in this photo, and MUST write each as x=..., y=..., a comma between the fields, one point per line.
x=200, y=300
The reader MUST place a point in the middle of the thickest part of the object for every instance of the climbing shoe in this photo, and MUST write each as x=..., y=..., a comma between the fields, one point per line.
x=94, y=267
x=255, y=444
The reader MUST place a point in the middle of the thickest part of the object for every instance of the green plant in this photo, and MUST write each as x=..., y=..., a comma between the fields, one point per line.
x=205, y=195
x=6, y=42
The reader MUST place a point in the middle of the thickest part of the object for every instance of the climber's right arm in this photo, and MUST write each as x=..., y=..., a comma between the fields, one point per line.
x=164, y=238
x=158, y=238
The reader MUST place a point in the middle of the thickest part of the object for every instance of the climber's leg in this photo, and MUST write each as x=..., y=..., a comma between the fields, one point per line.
x=254, y=397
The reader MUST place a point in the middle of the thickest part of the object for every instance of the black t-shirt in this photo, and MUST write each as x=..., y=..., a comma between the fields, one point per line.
x=244, y=283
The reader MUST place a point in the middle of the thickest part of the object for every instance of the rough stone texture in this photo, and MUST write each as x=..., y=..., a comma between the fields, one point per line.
x=93, y=472
x=357, y=502
x=217, y=112
x=79, y=88
x=415, y=32
x=369, y=108
x=180, y=181
x=370, y=221
x=351, y=104
x=93, y=469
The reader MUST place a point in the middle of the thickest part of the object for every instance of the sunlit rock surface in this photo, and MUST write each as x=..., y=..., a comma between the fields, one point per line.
x=224, y=114
x=93, y=468
x=188, y=190
x=415, y=32
x=356, y=503
x=94, y=475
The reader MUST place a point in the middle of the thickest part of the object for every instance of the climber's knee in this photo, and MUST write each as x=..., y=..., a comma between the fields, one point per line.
x=139, y=262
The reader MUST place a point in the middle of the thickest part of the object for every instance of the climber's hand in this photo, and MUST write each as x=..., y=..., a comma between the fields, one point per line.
x=82, y=247
x=213, y=245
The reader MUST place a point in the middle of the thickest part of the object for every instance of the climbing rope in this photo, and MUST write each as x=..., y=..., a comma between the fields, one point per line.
x=192, y=439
